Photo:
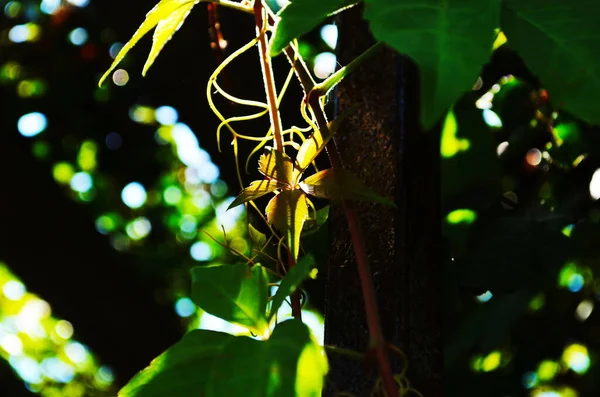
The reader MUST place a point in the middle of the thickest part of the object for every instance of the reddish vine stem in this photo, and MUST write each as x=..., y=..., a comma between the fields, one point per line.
x=267, y=71
x=372, y=313
x=270, y=89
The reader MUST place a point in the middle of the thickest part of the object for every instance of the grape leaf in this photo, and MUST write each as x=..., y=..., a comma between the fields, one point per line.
x=553, y=38
x=287, y=212
x=301, y=16
x=182, y=370
x=450, y=40
x=289, y=363
x=167, y=16
x=340, y=184
x=235, y=293
x=314, y=144
x=278, y=166
x=255, y=190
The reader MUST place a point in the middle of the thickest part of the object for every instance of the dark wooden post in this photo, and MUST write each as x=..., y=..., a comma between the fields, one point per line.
x=383, y=144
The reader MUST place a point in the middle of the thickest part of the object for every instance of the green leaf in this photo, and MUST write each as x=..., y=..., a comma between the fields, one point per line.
x=313, y=224
x=311, y=147
x=340, y=184
x=255, y=190
x=167, y=16
x=182, y=370
x=300, y=17
x=294, y=277
x=287, y=212
x=289, y=363
x=257, y=238
x=449, y=40
x=277, y=166
x=235, y=293
x=553, y=38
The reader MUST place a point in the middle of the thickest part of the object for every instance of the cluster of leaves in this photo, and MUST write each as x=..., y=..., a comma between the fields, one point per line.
x=238, y=294
x=280, y=363
x=449, y=41
x=520, y=230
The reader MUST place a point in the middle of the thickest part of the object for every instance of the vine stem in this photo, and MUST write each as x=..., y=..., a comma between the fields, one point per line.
x=378, y=343
x=308, y=84
x=267, y=71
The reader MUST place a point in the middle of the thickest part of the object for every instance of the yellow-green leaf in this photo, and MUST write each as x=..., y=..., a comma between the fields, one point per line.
x=277, y=165
x=311, y=147
x=167, y=16
x=340, y=184
x=287, y=212
x=254, y=191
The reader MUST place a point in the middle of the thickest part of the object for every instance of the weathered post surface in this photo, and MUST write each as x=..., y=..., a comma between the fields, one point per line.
x=383, y=144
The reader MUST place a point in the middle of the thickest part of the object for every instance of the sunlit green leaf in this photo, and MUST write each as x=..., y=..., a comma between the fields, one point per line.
x=314, y=223
x=294, y=277
x=258, y=239
x=450, y=40
x=287, y=212
x=182, y=370
x=300, y=17
x=167, y=16
x=311, y=147
x=553, y=38
x=278, y=166
x=255, y=190
x=235, y=293
x=289, y=363
x=339, y=184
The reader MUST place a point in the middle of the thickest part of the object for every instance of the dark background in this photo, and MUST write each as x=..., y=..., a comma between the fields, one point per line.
x=50, y=240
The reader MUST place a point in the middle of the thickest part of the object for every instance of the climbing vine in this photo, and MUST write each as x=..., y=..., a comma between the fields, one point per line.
x=449, y=41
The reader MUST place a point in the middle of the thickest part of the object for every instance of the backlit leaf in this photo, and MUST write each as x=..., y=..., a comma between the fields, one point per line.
x=182, y=370
x=289, y=363
x=449, y=40
x=235, y=293
x=314, y=223
x=257, y=238
x=277, y=165
x=167, y=16
x=300, y=17
x=311, y=147
x=340, y=184
x=294, y=277
x=553, y=38
x=287, y=212
x=255, y=190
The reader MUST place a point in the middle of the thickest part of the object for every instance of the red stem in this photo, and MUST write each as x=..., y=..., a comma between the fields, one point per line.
x=364, y=271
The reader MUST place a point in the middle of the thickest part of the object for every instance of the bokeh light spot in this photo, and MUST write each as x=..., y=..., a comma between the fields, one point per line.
x=32, y=124
x=325, y=64
x=14, y=290
x=78, y=36
x=329, y=34
x=576, y=357
x=166, y=115
x=201, y=251
x=185, y=307
x=134, y=195
x=120, y=77
x=81, y=182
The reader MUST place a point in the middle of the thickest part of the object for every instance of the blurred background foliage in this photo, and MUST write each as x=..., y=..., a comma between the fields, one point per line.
x=110, y=194
x=104, y=191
